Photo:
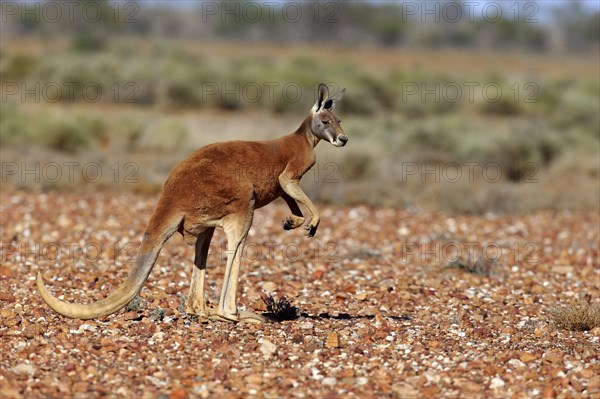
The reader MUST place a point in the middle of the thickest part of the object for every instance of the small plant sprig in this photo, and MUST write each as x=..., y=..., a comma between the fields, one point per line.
x=582, y=316
x=482, y=266
x=281, y=308
x=157, y=314
x=136, y=304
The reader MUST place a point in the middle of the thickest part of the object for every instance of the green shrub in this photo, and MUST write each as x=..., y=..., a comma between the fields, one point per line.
x=357, y=165
x=65, y=136
x=436, y=136
x=504, y=106
x=166, y=134
x=578, y=109
x=519, y=150
x=19, y=67
x=88, y=42
x=579, y=317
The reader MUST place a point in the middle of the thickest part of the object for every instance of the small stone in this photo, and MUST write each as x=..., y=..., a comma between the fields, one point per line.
x=268, y=348
x=171, y=290
x=178, y=393
x=24, y=369
x=269, y=286
x=370, y=311
x=527, y=357
x=497, y=383
x=7, y=297
x=562, y=269
x=10, y=392
x=329, y=381
x=7, y=272
x=362, y=381
x=158, y=337
x=516, y=363
x=553, y=357
x=259, y=304
x=318, y=274
x=333, y=340
x=130, y=315
x=587, y=373
x=30, y=332
x=254, y=379
x=306, y=325
x=405, y=391
x=549, y=392
x=80, y=387
x=201, y=390
x=430, y=391
x=347, y=373
x=360, y=296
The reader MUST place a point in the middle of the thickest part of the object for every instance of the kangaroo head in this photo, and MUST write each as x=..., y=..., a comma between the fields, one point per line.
x=325, y=125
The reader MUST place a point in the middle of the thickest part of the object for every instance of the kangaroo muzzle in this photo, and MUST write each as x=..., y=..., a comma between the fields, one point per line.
x=340, y=140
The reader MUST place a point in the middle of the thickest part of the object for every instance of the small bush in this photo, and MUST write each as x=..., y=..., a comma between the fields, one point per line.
x=132, y=131
x=157, y=314
x=65, y=136
x=20, y=67
x=579, y=317
x=87, y=42
x=504, y=106
x=136, y=304
x=357, y=165
x=482, y=266
x=432, y=138
x=578, y=109
x=280, y=309
x=166, y=134
x=182, y=95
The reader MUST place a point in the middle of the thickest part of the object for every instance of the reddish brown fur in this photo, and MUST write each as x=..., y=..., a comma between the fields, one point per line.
x=221, y=179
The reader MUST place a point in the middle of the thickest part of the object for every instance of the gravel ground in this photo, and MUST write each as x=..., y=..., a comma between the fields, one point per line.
x=392, y=303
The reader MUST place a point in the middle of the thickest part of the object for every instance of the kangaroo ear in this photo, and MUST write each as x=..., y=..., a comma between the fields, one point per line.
x=333, y=100
x=322, y=96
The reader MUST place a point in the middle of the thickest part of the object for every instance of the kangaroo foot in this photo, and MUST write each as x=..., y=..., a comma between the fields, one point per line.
x=240, y=317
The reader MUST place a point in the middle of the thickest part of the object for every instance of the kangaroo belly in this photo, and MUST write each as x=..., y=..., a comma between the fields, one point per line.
x=264, y=197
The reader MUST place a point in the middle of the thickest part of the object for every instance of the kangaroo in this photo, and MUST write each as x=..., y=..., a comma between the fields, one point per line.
x=221, y=185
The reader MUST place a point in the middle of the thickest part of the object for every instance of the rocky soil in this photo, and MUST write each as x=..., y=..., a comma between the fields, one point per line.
x=390, y=303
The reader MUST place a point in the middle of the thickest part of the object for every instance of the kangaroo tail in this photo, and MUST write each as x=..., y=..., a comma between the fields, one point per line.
x=159, y=230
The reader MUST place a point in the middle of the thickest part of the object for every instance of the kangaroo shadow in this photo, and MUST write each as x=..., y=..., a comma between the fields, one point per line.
x=294, y=313
x=281, y=309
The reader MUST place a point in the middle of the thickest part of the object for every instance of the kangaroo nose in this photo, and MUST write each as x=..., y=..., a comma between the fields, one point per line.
x=343, y=138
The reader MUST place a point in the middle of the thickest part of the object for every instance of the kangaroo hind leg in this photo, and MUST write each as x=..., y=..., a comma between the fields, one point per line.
x=236, y=228
x=196, y=300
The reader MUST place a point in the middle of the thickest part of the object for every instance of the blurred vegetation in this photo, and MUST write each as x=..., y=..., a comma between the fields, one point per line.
x=532, y=26
x=540, y=132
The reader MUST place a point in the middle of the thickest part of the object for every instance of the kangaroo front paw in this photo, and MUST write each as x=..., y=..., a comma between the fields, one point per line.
x=292, y=222
x=311, y=230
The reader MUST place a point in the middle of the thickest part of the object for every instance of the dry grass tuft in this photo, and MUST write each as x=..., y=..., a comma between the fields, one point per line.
x=136, y=304
x=579, y=317
x=482, y=266
x=280, y=309
x=157, y=314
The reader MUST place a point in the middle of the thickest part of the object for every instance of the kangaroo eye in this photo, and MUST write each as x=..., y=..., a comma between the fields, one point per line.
x=325, y=122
